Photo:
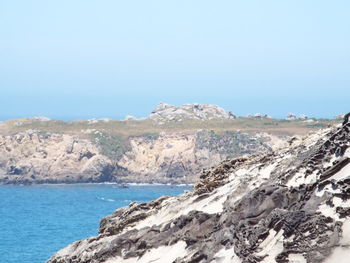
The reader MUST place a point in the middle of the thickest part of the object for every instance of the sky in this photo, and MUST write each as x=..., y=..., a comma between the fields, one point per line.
x=82, y=59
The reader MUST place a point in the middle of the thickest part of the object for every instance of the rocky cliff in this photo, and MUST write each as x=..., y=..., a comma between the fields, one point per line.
x=172, y=145
x=291, y=205
x=178, y=158
x=41, y=157
x=38, y=157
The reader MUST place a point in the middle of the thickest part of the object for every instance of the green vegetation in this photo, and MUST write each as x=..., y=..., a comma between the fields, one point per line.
x=230, y=143
x=112, y=146
x=150, y=135
x=317, y=125
x=151, y=129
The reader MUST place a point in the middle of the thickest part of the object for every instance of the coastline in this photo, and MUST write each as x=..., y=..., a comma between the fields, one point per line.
x=38, y=220
x=103, y=183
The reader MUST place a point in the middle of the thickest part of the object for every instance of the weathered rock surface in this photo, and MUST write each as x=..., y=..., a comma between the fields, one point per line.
x=32, y=156
x=288, y=206
x=38, y=157
x=166, y=112
x=259, y=116
x=179, y=158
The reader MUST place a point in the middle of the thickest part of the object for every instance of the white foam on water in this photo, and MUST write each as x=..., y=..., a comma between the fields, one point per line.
x=106, y=199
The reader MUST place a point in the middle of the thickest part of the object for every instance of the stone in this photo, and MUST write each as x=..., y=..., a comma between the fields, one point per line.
x=292, y=205
x=170, y=113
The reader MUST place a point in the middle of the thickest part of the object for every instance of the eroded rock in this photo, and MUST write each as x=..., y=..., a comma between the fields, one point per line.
x=289, y=206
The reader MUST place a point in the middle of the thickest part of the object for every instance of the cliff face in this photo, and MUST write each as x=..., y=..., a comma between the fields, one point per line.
x=288, y=206
x=180, y=157
x=172, y=145
x=31, y=156
x=38, y=157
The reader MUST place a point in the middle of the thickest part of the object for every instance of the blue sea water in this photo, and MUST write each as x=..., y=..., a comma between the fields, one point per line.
x=36, y=221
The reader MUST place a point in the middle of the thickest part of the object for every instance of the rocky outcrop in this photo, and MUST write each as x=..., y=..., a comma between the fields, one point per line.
x=166, y=112
x=178, y=158
x=259, y=116
x=32, y=156
x=38, y=157
x=291, y=205
x=292, y=117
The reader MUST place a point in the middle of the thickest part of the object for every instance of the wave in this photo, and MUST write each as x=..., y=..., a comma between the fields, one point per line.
x=106, y=199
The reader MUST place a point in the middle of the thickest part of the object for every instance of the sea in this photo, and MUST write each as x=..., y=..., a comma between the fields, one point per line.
x=36, y=221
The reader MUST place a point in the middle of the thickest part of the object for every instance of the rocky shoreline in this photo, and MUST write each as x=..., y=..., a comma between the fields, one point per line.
x=291, y=205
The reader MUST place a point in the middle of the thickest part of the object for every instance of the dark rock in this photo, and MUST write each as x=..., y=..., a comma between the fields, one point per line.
x=346, y=118
x=263, y=219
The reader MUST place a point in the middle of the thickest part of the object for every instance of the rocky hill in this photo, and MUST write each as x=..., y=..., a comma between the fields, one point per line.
x=172, y=145
x=291, y=205
x=39, y=157
x=166, y=112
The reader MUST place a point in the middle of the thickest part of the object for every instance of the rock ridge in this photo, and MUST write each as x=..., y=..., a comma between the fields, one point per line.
x=196, y=111
x=33, y=156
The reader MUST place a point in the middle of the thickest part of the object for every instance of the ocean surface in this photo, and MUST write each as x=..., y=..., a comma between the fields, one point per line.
x=36, y=221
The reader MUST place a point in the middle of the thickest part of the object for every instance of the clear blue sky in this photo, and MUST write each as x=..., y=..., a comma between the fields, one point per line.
x=72, y=59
